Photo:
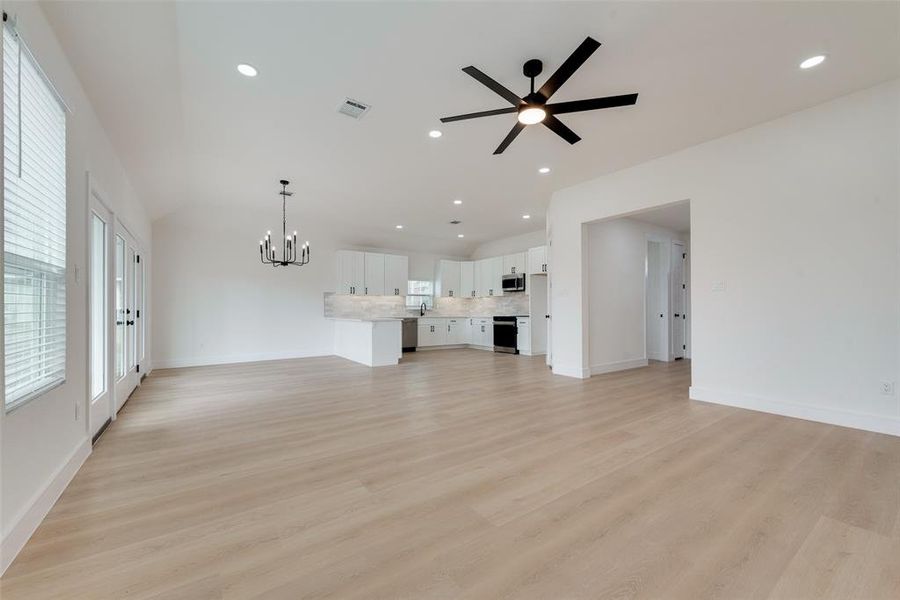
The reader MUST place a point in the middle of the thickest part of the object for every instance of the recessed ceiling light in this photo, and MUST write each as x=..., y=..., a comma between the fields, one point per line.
x=435, y=133
x=460, y=235
x=457, y=202
x=248, y=70
x=526, y=216
x=544, y=170
x=812, y=61
x=399, y=226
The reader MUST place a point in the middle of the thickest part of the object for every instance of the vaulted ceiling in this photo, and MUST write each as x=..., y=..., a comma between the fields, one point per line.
x=190, y=129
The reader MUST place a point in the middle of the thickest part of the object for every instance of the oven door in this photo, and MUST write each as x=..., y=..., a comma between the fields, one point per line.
x=505, y=335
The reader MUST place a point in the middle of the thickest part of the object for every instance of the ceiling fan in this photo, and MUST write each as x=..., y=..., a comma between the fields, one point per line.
x=533, y=108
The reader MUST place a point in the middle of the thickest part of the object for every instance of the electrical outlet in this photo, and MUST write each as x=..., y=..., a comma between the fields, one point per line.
x=887, y=388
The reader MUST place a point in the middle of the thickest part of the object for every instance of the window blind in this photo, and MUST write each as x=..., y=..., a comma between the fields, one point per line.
x=34, y=227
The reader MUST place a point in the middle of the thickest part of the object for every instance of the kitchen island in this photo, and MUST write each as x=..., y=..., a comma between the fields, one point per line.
x=372, y=342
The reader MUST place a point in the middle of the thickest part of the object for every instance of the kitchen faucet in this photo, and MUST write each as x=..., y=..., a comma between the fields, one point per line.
x=422, y=310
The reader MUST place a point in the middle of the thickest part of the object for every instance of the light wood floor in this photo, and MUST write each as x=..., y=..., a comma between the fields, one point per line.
x=463, y=474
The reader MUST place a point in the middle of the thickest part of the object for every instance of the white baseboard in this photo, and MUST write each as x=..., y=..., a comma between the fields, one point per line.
x=26, y=523
x=621, y=365
x=832, y=416
x=205, y=361
x=571, y=371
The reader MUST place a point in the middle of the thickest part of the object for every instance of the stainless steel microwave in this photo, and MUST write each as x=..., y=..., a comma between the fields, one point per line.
x=514, y=283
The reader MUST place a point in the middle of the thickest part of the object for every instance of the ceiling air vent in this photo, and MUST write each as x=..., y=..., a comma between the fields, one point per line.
x=455, y=222
x=353, y=108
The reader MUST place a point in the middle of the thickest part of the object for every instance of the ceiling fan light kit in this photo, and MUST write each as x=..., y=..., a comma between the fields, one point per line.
x=533, y=108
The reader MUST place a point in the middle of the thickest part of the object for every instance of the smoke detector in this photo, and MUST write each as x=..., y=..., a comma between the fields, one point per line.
x=353, y=108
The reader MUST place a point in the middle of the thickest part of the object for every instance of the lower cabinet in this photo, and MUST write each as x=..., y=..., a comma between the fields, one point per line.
x=458, y=331
x=523, y=338
x=482, y=332
x=432, y=332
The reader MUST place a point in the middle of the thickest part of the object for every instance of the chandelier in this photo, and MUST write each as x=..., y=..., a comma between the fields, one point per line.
x=268, y=253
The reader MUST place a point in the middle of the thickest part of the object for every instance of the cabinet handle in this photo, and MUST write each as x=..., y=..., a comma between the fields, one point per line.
x=451, y=293
x=367, y=291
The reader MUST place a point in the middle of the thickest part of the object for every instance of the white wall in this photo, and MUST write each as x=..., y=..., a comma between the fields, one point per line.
x=616, y=274
x=43, y=443
x=510, y=245
x=799, y=219
x=216, y=303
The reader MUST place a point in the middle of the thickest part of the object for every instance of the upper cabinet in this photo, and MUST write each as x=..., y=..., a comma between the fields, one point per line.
x=448, y=279
x=351, y=272
x=467, y=279
x=371, y=273
x=492, y=274
x=396, y=275
x=514, y=264
x=374, y=274
x=537, y=260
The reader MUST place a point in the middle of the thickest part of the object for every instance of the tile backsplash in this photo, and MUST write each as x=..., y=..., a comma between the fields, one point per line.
x=364, y=307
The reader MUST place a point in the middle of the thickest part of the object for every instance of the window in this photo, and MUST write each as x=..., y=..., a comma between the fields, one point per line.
x=34, y=227
x=418, y=292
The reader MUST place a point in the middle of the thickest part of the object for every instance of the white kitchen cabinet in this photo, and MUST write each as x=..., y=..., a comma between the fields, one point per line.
x=374, y=281
x=514, y=264
x=523, y=335
x=478, y=268
x=467, y=279
x=494, y=279
x=448, y=279
x=482, y=333
x=456, y=331
x=432, y=332
x=351, y=272
x=537, y=260
x=396, y=274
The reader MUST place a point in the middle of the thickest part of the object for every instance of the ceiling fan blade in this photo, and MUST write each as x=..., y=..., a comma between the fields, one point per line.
x=496, y=87
x=557, y=127
x=571, y=64
x=516, y=130
x=475, y=115
x=591, y=104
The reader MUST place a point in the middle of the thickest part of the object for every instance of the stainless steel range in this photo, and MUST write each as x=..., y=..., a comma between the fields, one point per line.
x=505, y=335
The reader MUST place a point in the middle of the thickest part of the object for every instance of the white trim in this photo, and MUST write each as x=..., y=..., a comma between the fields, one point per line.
x=619, y=365
x=206, y=361
x=26, y=523
x=832, y=416
x=571, y=371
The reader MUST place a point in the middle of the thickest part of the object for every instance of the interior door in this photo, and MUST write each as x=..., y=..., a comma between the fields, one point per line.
x=126, y=310
x=99, y=268
x=678, y=301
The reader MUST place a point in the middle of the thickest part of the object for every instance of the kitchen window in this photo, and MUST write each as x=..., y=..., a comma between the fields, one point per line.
x=34, y=227
x=418, y=292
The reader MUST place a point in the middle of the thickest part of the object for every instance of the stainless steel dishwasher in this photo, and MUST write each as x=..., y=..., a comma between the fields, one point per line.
x=410, y=334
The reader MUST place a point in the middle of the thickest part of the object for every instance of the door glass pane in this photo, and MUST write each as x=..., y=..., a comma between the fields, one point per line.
x=129, y=309
x=120, y=307
x=142, y=281
x=98, y=306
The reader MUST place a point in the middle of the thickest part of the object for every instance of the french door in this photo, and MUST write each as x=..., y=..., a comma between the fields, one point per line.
x=100, y=270
x=678, y=302
x=128, y=346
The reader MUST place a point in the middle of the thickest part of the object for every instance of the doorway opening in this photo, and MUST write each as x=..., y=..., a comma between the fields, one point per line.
x=639, y=288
